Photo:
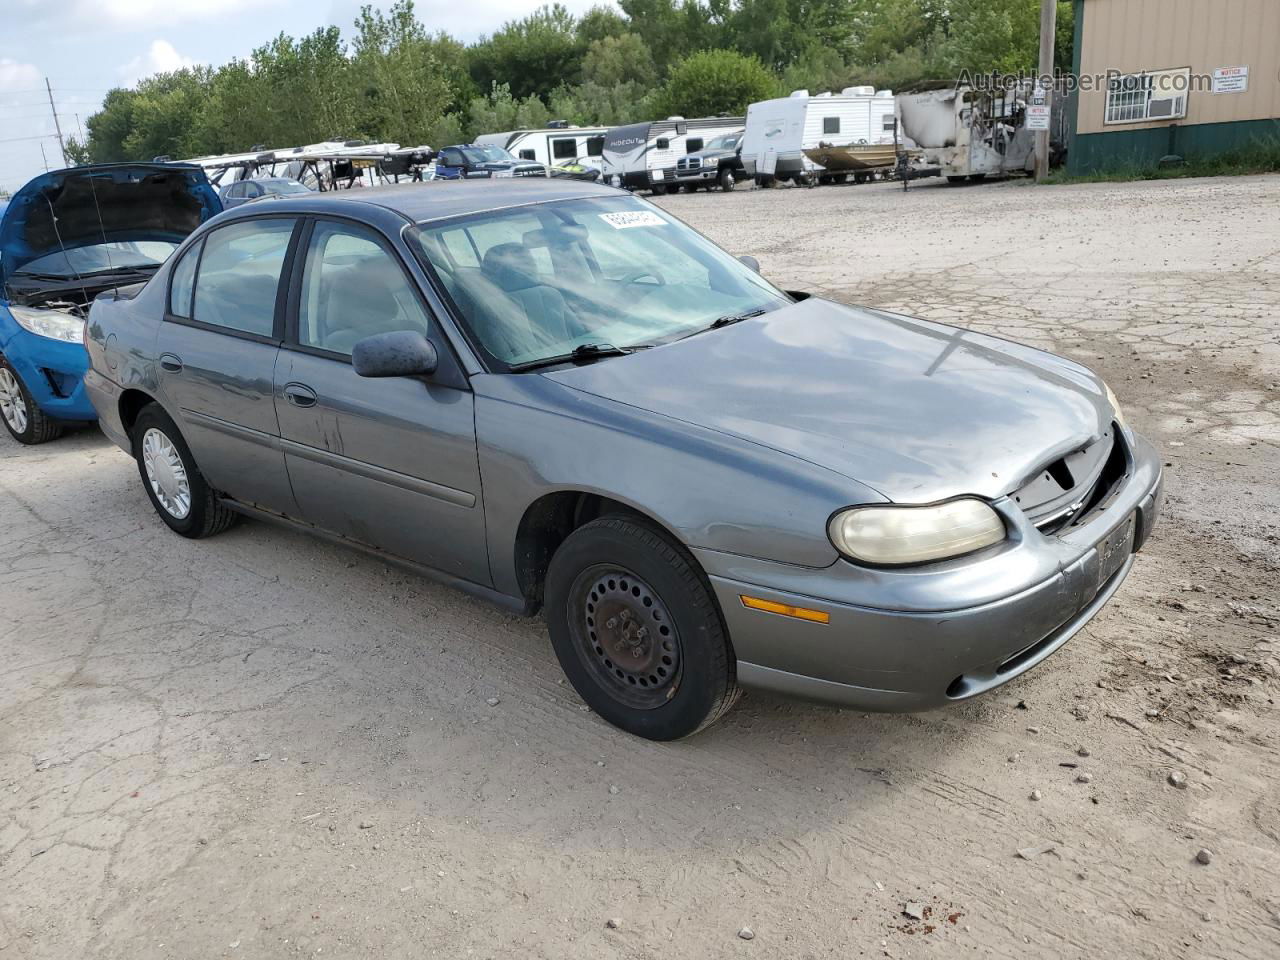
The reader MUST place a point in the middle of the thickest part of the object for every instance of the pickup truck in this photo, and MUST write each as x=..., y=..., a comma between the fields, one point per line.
x=719, y=163
x=470, y=161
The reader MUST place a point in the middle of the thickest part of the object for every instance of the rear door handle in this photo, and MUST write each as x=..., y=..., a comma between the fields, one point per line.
x=171, y=363
x=300, y=395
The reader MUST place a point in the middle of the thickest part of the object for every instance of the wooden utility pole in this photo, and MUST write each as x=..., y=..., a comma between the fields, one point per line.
x=56, y=125
x=1048, y=39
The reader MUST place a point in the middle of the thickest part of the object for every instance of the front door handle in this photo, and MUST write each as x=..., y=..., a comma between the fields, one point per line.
x=300, y=395
x=171, y=363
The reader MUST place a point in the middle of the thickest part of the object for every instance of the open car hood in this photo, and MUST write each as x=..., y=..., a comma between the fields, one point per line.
x=103, y=203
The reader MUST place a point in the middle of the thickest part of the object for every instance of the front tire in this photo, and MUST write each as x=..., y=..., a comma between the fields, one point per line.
x=637, y=631
x=24, y=420
x=175, y=485
x=727, y=181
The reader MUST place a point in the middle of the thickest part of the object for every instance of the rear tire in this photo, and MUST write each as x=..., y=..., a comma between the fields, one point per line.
x=24, y=420
x=175, y=485
x=637, y=631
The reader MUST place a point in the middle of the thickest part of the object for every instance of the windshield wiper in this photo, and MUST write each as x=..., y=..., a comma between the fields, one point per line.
x=586, y=351
x=725, y=321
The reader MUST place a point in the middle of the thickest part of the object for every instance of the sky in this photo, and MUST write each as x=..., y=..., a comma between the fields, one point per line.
x=86, y=47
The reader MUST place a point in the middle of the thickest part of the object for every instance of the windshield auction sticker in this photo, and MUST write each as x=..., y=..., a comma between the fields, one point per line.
x=637, y=218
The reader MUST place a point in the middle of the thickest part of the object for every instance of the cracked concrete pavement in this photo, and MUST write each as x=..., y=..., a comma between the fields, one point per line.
x=261, y=745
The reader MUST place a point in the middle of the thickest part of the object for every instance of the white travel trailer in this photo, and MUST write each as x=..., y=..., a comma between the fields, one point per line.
x=643, y=156
x=779, y=131
x=551, y=145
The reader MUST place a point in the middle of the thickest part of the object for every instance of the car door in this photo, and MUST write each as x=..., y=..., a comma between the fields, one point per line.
x=216, y=351
x=388, y=462
x=450, y=165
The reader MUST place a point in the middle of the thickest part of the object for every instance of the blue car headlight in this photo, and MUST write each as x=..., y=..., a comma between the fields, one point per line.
x=891, y=535
x=54, y=324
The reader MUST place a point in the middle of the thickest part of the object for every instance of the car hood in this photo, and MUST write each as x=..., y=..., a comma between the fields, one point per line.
x=917, y=410
x=105, y=203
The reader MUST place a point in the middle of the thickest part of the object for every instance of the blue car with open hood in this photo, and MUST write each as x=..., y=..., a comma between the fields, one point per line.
x=65, y=238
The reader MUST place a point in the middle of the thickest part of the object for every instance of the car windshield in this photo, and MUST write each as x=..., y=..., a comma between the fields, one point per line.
x=724, y=143
x=103, y=256
x=539, y=281
x=486, y=155
x=283, y=187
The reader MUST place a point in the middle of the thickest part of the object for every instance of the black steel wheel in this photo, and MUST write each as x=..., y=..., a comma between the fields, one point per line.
x=637, y=631
x=625, y=635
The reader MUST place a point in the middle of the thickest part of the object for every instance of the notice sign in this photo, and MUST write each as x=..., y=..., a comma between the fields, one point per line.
x=1231, y=80
x=1038, y=110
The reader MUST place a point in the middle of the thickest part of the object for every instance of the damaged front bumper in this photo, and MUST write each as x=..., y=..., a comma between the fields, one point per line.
x=916, y=639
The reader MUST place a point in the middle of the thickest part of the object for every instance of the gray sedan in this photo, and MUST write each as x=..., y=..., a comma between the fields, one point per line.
x=560, y=397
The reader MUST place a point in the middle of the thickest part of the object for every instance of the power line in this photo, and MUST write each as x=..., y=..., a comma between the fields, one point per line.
x=43, y=136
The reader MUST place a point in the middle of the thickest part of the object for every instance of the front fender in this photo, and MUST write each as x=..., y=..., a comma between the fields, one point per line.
x=713, y=491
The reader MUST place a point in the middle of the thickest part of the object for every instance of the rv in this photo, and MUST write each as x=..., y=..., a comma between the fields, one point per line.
x=643, y=156
x=779, y=131
x=552, y=145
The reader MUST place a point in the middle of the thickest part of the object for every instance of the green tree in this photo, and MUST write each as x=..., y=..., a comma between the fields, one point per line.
x=532, y=56
x=616, y=60
x=600, y=22
x=501, y=111
x=714, y=82
x=402, y=85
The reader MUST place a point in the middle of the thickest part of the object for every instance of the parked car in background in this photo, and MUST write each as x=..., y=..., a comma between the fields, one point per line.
x=718, y=164
x=242, y=191
x=468, y=161
x=558, y=396
x=66, y=238
x=582, y=168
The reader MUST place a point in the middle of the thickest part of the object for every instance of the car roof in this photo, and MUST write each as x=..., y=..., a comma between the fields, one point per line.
x=437, y=199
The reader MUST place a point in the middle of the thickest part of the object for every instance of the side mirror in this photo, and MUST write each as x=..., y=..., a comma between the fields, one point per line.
x=751, y=262
x=404, y=353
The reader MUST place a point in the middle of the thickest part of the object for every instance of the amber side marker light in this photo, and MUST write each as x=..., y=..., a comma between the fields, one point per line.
x=784, y=609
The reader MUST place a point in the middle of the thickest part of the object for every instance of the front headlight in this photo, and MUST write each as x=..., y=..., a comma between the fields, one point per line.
x=1115, y=405
x=53, y=324
x=892, y=536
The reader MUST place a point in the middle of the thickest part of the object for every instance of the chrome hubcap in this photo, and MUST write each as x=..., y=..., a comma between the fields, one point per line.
x=166, y=474
x=12, y=405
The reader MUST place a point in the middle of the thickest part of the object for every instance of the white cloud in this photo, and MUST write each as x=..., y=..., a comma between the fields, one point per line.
x=128, y=14
x=19, y=76
x=161, y=57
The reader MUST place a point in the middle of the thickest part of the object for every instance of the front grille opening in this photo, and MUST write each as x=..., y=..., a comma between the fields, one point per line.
x=1064, y=493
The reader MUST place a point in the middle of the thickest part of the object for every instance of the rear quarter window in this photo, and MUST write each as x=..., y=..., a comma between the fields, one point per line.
x=183, y=281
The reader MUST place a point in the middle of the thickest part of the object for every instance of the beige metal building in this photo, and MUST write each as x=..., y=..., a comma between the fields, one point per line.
x=1184, y=77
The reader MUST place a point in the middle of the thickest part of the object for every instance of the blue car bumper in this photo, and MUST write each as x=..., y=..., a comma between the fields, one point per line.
x=52, y=370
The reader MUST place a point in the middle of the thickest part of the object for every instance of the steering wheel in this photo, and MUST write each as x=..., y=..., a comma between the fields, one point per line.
x=632, y=276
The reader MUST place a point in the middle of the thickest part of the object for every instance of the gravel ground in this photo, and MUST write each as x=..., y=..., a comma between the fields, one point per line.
x=263, y=746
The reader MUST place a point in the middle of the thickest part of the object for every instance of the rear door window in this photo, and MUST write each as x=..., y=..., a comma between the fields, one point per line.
x=239, y=275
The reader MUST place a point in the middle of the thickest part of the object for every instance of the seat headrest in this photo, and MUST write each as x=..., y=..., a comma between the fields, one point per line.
x=510, y=266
